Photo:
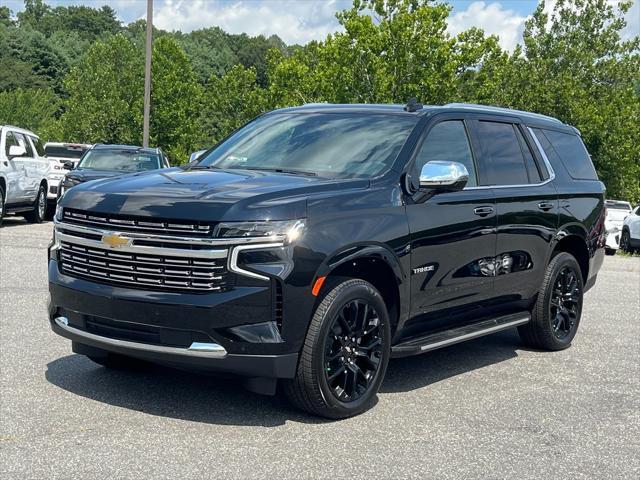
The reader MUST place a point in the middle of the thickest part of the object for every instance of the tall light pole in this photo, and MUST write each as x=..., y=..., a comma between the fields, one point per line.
x=147, y=75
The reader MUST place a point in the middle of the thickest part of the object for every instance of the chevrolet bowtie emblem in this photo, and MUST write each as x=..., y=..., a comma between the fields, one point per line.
x=116, y=241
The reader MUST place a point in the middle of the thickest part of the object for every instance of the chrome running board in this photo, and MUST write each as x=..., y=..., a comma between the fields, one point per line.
x=433, y=341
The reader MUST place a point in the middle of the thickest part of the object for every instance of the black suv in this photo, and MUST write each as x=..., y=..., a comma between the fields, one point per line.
x=317, y=242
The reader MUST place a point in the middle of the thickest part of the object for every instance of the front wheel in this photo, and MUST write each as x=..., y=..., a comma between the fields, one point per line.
x=556, y=313
x=39, y=208
x=345, y=353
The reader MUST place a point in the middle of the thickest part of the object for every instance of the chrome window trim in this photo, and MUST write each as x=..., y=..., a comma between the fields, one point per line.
x=233, y=259
x=167, y=238
x=197, y=349
x=552, y=174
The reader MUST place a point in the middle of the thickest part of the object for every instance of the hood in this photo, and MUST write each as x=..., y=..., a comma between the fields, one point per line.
x=205, y=195
x=82, y=175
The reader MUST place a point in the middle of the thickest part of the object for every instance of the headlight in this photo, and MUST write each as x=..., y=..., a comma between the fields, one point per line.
x=58, y=215
x=291, y=230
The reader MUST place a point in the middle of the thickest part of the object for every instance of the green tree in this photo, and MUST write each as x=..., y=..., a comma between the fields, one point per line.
x=574, y=65
x=5, y=17
x=390, y=51
x=105, y=95
x=175, y=100
x=229, y=102
x=34, y=109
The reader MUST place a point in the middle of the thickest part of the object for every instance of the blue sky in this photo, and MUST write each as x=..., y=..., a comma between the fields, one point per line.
x=299, y=21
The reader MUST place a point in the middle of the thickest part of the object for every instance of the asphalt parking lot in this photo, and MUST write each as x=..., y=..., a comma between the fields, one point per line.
x=484, y=409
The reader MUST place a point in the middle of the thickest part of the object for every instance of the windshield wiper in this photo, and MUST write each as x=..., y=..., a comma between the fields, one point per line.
x=201, y=167
x=282, y=170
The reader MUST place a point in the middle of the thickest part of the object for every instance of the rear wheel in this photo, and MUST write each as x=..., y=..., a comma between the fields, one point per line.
x=556, y=314
x=345, y=354
x=39, y=208
x=625, y=242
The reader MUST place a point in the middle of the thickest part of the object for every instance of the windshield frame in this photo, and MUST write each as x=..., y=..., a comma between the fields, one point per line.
x=393, y=165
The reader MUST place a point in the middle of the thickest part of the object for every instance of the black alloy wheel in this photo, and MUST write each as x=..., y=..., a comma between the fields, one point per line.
x=353, y=350
x=345, y=353
x=39, y=207
x=565, y=302
x=555, y=315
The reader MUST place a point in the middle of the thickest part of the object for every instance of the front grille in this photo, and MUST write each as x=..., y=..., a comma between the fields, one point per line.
x=149, y=272
x=124, y=223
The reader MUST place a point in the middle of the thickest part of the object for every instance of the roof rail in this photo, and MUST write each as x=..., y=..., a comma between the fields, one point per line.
x=490, y=108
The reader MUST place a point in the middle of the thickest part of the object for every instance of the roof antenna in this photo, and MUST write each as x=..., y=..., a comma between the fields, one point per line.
x=413, y=105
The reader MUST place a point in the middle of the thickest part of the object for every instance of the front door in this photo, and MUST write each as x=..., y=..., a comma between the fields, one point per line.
x=453, y=236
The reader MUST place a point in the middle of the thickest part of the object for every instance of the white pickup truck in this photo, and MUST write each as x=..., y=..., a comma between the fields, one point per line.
x=23, y=174
x=62, y=158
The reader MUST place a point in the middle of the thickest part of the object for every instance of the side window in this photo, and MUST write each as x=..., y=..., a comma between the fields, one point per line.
x=9, y=142
x=22, y=141
x=506, y=164
x=572, y=152
x=448, y=141
x=534, y=173
x=39, y=145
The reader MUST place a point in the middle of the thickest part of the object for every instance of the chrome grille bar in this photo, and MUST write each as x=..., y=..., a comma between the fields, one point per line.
x=145, y=226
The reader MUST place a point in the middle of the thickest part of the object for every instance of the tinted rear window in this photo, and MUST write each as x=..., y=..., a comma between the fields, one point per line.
x=571, y=151
x=506, y=165
x=64, y=151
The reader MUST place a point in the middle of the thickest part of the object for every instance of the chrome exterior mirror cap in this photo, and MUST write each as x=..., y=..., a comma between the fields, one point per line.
x=440, y=174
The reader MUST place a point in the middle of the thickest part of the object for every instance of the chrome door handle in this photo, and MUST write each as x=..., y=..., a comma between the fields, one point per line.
x=483, y=211
x=546, y=206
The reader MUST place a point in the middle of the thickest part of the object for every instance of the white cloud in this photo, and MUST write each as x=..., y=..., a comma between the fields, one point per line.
x=493, y=19
x=633, y=21
x=293, y=21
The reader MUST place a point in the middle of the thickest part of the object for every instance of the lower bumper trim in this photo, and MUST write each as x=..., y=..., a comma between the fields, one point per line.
x=201, y=350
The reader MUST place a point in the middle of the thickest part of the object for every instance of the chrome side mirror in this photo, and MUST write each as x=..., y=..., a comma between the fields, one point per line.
x=16, y=151
x=195, y=155
x=441, y=175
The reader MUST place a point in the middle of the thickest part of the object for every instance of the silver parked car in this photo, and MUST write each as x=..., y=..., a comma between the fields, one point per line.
x=23, y=174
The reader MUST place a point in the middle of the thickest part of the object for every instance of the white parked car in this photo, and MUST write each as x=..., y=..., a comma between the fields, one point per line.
x=62, y=158
x=617, y=211
x=630, y=239
x=23, y=174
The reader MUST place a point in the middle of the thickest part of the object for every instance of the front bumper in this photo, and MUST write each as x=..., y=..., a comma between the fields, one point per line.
x=613, y=240
x=179, y=330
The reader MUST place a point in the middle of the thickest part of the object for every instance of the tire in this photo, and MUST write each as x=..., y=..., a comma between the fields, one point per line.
x=115, y=361
x=609, y=251
x=338, y=377
x=39, y=207
x=556, y=314
x=625, y=242
x=2, y=206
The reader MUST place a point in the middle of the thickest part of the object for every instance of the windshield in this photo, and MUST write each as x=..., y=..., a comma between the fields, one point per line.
x=326, y=144
x=64, y=151
x=120, y=160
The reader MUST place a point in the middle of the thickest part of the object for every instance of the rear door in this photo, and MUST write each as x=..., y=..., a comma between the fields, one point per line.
x=526, y=206
x=453, y=235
